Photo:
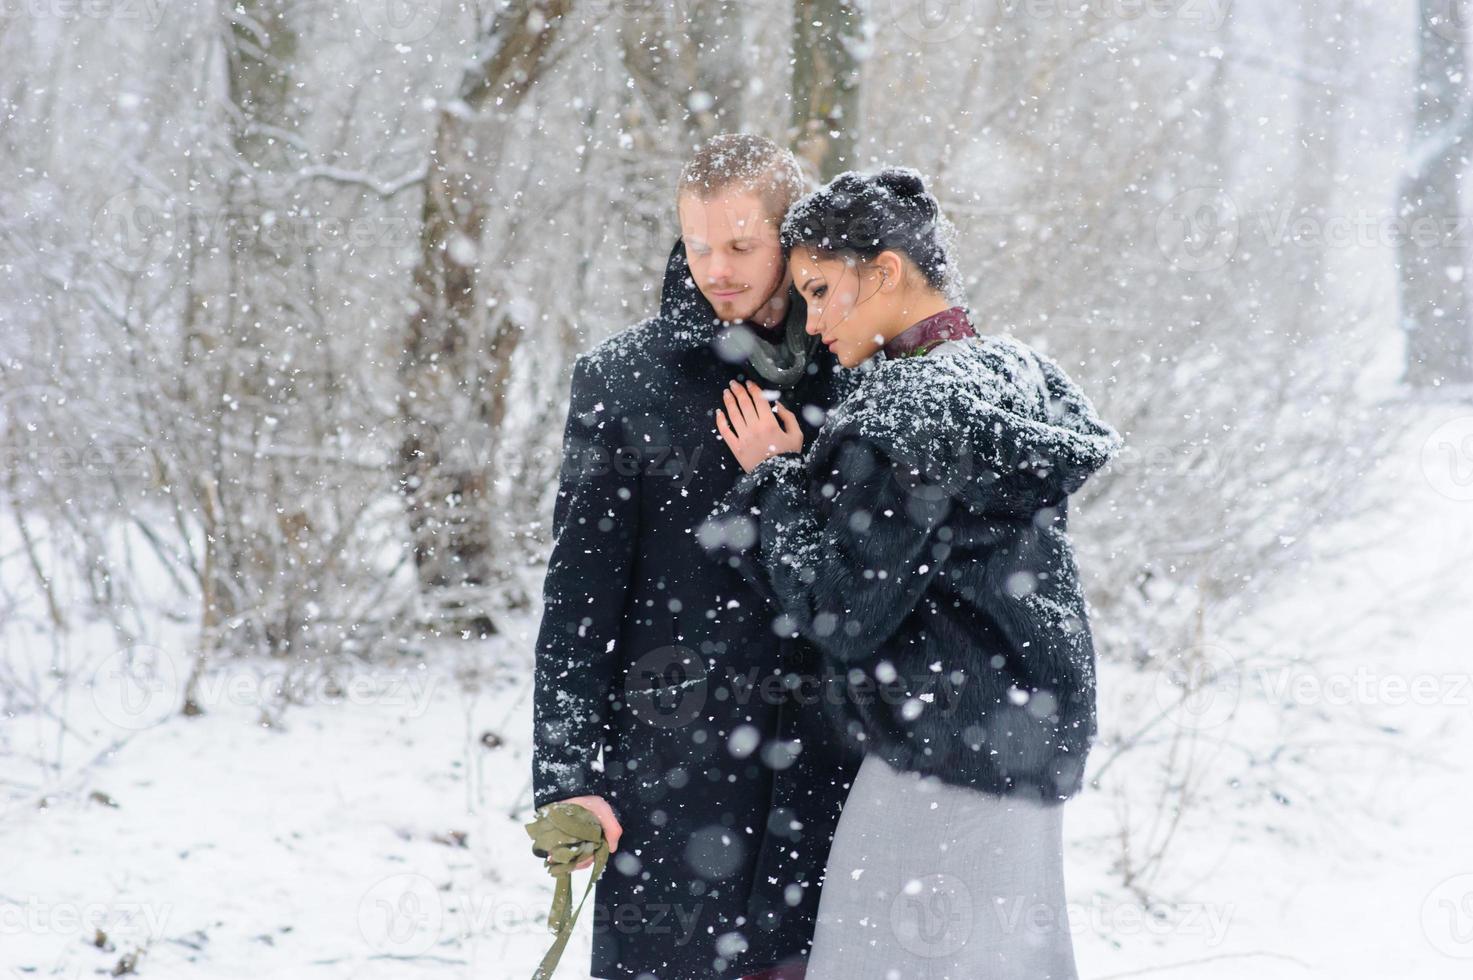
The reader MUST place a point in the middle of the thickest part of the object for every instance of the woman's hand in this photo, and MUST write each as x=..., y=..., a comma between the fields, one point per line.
x=600, y=808
x=751, y=431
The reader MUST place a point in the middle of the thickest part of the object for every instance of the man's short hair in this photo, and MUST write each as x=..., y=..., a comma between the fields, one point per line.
x=741, y=161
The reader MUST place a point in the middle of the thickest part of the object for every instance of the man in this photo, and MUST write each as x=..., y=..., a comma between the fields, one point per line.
x=668, y=662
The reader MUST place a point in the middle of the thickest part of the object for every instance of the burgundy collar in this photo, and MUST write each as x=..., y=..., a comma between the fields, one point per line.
x=918, y=338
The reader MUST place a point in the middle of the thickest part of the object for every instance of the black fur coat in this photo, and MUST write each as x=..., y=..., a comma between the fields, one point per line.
x=920, y=542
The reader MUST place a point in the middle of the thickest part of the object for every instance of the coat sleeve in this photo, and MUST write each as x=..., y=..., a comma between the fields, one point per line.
x=594, y=532
x=846, y=572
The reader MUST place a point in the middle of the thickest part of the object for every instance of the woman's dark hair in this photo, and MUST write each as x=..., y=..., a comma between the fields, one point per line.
x=866, y=214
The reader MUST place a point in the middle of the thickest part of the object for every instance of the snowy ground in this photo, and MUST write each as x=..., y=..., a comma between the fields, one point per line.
x=329, y=846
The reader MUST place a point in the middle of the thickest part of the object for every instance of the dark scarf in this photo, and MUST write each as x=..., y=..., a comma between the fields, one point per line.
x=780, y=354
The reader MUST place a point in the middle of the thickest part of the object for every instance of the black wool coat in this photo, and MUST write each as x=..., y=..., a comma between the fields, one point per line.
x=668, y=665
x=921, y=543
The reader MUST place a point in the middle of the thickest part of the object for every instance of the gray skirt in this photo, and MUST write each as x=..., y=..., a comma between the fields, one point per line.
x=929, y=881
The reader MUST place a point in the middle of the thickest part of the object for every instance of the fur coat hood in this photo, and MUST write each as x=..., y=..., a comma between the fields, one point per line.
x=996, y=424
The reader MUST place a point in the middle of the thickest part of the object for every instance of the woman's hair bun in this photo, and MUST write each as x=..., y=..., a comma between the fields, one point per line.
x=851, y=182
x=902, y=181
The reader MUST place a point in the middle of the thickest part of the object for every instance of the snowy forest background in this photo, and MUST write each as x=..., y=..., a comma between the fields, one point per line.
x=291, y=292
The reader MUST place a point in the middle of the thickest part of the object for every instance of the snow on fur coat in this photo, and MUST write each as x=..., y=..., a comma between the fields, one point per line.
x=921, y=544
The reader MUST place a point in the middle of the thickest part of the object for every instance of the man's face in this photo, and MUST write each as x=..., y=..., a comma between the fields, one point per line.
x=732, y=246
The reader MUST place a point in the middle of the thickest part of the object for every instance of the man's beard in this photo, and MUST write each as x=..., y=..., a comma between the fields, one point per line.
x=749, y=320
x=725, y=310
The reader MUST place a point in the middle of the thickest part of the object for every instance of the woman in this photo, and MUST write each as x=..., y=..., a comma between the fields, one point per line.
x=921, y=544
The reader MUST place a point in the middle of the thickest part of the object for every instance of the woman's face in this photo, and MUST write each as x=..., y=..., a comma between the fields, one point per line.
x=845, y=309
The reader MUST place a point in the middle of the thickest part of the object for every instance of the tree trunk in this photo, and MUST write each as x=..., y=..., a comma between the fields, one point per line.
x=457, y=357
x=827, y=35
x=1319, y=107
x=1433, y=257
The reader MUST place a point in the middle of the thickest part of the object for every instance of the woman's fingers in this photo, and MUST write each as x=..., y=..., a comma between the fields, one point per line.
x=734, y=412
x=753, y=428
x=748, y=411
x=743, y=404
x=724, y=427
x=760, y=408
x=759, y=417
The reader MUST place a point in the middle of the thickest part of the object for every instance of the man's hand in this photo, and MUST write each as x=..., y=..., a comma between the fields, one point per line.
x=600, y=808
x=753, y=432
